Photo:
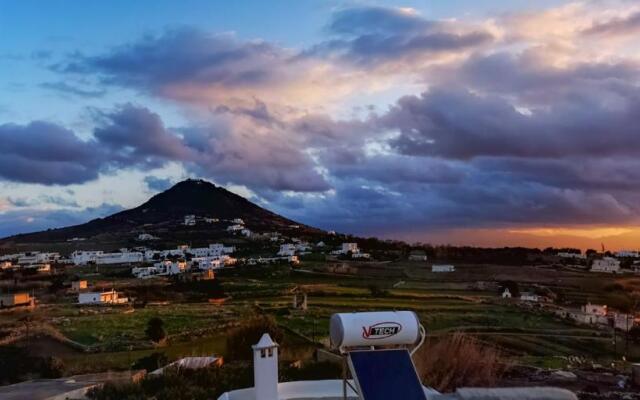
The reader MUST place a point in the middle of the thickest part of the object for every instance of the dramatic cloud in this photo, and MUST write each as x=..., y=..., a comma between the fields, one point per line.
x=523, y=119
x=42, y=152
x=628, y=25
x=138, y=135
x=373, y=35
x=458, y=124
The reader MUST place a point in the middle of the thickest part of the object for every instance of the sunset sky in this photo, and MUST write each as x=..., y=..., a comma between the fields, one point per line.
x=488, y=123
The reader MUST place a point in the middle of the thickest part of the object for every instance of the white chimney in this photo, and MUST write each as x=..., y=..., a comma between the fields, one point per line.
x=265, y=368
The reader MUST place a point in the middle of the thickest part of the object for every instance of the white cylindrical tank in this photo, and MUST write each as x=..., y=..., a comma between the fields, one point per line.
x=374, y=328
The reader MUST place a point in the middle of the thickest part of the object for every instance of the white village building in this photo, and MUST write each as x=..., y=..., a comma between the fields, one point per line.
x=122, y=257
x=442, y=268
x=147, y=236
x=606, y=264
x=189, y=220
x=82, y=257
x=235, y=228
x=628, y=253
x=579, y=256
x=37, y=257
x=350, y=247
x=109, y=297
x=529, y=296
x=287, y=249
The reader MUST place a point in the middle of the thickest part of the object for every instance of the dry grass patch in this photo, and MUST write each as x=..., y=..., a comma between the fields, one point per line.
x=460, y=360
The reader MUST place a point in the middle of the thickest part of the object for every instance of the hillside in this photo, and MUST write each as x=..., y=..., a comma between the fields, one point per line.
x=165, y=213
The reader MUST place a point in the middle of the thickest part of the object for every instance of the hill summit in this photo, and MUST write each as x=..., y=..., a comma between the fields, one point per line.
x=166, y=211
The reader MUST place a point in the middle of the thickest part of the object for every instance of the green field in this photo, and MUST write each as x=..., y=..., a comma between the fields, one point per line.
x=114, y=337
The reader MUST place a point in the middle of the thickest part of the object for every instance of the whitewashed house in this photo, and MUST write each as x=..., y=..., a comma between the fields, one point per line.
x=606, y=264
x=578, y=256
x=189, y=220
x=360, y=255
x=77, y=286
x=81, y=257
x=109, y=297
x=417, y=255
x=593, y=314
x=238, y=221
x=627, y=253
x=506, y=294
x=219, y=248
x=147, y=236
x=235, y=228
x=442, y=268
x=168, y=267
x=529, y=296
x=349, y=247
x=37, y=257
x=145, y=272
x=122, y=257
x=287, y=249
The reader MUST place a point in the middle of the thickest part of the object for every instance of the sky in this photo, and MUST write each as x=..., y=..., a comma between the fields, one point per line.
x=493, y=123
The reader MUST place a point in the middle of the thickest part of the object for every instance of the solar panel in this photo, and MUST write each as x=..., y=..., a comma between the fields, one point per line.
x=385, y=375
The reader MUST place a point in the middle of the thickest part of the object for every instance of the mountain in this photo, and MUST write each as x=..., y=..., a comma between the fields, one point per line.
x=165, y=212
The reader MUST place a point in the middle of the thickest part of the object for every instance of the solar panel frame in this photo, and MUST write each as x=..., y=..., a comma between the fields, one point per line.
x=377, y=382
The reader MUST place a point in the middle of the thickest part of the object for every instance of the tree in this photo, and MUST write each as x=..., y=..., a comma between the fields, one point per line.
x=241, y=338
x=155, y=330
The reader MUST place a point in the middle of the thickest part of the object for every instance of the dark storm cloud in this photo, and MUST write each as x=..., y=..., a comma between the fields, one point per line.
x=462, y=125
x=130, y=136
x=46, y=153
x=42, y=152
x=138, y=135
x=391, y=169
x=259, y=161
x=182, y=56
x=628, y=25
x=371, y=35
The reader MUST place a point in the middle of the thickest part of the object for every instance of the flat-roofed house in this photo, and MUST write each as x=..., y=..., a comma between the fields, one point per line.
x=443, y=268
x=606, y=264
x=77, y=286
x=417, y=255
x=16, y=300
x=108, y=297
x=529, y=296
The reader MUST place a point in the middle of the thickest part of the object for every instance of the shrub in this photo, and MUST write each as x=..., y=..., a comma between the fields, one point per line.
x=155, y=330
x=459, y=360
x=151, y=362
x=179, y=384
x=241, y=338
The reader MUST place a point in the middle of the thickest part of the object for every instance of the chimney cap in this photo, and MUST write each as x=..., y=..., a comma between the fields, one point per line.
x=265, y=342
